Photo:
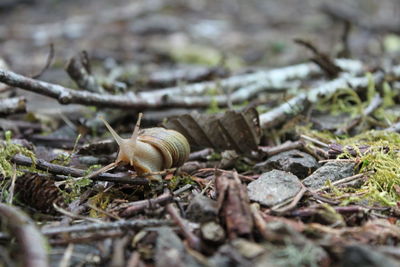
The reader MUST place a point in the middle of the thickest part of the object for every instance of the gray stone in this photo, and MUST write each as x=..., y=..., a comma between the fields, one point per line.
x=331, y=171
x=299, y=163
x=212, y=231
x=170, y=250
x=202, y=209
x=274, y=187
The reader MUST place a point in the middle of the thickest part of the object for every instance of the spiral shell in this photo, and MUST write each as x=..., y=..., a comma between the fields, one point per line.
x=150, y=150
x=173, y=145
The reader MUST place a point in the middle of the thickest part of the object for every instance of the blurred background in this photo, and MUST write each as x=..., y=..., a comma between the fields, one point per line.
x=135, y=39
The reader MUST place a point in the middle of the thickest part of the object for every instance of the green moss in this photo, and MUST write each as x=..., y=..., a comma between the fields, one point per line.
x=180, y=180
x=292, y=255
x=381, y=160
x=345, y=100
x=73, y=188
x=9, y=150
x=101, y=200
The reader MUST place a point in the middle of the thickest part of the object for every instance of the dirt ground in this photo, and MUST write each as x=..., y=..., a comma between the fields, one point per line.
x=135, y=48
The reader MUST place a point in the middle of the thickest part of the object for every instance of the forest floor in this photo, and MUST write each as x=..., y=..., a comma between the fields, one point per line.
x=290, y=108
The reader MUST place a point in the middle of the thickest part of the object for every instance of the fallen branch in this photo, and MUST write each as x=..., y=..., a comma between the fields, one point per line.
x=299, y=103
x=250, y=85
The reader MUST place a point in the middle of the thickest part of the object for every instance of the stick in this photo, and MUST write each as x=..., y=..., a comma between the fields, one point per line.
x=66, y=171
x=250, y=86
x=299, y=103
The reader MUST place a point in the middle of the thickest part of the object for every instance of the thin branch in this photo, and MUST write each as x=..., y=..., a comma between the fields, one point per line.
x=373, y=105
x=94, y=227
x=49, y=60
x=299, y=103
x=250, y=85
x=193, y=241
x=78, y=68
x=68, y=171
x=294, y=202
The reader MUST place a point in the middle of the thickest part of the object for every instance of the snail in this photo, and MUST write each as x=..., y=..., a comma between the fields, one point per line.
x=149, y=151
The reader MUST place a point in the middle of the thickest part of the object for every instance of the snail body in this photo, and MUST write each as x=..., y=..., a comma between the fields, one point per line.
x=150, y=150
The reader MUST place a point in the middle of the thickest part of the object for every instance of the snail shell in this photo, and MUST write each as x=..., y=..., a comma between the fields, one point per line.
x=151, y=150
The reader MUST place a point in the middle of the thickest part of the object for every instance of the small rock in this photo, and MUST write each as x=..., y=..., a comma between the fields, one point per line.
x=170, y=250
x=247, y=248
x=361, y=255
x=299, y=163
x=212, y=231
x=202, y=209
x=274, y=187
x=331, y=171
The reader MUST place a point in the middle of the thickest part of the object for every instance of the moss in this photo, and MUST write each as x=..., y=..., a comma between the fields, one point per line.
x=101, y=201
x=345, y=100
x=381, y=160
x=73, y=188
x=9, y=150
x=180, y=180
x=292, y=255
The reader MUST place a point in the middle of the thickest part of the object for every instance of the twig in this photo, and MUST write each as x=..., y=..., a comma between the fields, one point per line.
x=138, y=206
x=313, y=140
x=345, y=50
x=299, y=103
x=201, y=154
x=76, y=216
x=294, y=202
x=375, y=103
x=244, y=178
x=12, y=186
x=193, y=241
x=86, y=238
x=10, y=106
x=270, y=151
x=94, y=227
x=31, y=243
x=141, y=205
x=344, y=180
x=49, y=60
x=260, y=223
x=78, y=68
x=65, y=261
x=68, y=171
x=323, y=60
x=103, y=212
